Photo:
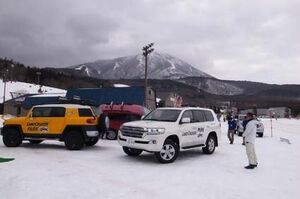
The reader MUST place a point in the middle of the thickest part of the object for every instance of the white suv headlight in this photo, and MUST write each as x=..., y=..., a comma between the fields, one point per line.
x=154, y=131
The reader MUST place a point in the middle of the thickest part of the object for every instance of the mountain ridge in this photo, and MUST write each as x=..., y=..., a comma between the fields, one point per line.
x=160, y=66
x=165, y=66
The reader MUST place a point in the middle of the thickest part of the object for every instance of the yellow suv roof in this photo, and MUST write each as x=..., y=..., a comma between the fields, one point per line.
x=63, y=105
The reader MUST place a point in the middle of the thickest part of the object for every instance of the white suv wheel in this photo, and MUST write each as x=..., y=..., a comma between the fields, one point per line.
x=167, y=152
x=211, y=145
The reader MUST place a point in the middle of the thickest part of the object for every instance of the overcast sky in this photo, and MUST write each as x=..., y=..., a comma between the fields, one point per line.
x=257, y=40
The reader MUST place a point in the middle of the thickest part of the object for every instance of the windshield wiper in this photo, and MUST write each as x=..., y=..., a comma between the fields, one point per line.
x=151, y=119
x=160, y=120
x=167, y=120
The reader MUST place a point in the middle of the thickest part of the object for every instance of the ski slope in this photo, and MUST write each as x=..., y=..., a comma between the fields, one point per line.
x=25, y=88
x=50, y=171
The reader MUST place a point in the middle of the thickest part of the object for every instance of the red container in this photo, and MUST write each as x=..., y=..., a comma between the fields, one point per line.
x=119, y=114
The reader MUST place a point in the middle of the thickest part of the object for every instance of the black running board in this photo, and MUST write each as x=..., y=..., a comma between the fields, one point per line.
x=194, y=146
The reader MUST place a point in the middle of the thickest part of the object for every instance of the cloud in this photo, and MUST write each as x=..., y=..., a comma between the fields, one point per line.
x=90, y=30
x=229, y=39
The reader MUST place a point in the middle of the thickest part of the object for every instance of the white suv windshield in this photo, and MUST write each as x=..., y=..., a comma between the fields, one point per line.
x=166, y=115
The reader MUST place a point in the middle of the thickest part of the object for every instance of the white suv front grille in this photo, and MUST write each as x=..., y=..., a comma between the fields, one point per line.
x=136, y=132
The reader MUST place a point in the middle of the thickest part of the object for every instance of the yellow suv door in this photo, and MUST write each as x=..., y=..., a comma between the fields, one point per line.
x=46, y=120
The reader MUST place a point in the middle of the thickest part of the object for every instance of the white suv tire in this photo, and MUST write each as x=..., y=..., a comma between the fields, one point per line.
x=168, y=153
x=211, y=143
x=132, y=152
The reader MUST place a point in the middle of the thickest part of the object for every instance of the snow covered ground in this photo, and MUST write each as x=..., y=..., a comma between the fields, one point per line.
x=25, y=88
x=49, y=170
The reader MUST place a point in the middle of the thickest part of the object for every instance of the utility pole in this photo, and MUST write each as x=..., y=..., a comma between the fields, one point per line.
x=38, y=76
x=4, y=90
x=5, y=74
x=146, y=51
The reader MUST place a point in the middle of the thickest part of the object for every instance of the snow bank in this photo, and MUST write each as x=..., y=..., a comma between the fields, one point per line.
x=120, y=85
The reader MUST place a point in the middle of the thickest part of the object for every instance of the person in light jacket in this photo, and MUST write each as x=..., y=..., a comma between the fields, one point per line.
x=249, y=136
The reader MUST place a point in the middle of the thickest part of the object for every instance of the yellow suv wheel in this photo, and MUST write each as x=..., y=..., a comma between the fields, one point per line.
x=11, y=137
x=74, y=140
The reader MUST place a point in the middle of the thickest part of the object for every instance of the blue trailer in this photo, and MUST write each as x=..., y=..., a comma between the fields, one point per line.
x=98, y=96
x=126, y=95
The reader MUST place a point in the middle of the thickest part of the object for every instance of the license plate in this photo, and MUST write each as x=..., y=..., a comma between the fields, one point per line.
x=130, y=141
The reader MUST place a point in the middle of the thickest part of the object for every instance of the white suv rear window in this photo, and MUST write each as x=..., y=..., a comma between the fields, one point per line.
x=209, y=116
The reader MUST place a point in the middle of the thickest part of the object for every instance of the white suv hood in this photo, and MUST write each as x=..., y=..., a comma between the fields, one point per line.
x=149, y=124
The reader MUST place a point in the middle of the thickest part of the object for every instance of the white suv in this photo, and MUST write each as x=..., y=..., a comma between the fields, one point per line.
x=166, y=131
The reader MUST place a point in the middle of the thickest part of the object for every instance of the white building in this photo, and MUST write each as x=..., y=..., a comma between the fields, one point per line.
x=279, y=112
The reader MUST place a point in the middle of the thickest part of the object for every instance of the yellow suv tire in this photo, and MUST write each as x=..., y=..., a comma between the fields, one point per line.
x=74, y=140
x=11, y=137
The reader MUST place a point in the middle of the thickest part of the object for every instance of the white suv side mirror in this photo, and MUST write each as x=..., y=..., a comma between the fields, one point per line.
x=185, y=120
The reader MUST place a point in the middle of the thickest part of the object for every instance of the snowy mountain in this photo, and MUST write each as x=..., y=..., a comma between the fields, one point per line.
x=160, y=66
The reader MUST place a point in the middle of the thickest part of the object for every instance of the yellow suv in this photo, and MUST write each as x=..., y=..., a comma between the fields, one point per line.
x=76, y=125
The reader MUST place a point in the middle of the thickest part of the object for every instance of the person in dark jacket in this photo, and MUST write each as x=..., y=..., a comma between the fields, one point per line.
x=103, y=125
x=231, y=128
x=244, y=123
